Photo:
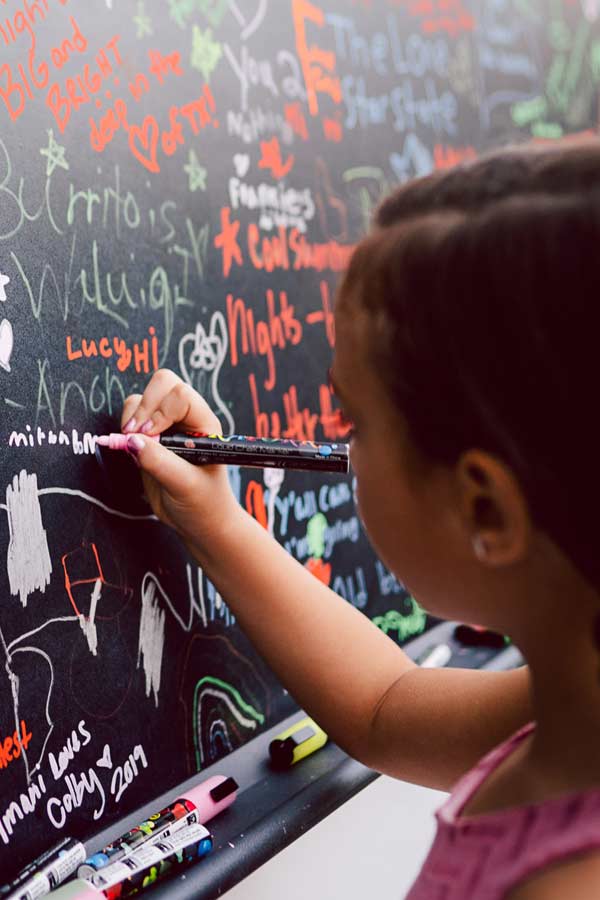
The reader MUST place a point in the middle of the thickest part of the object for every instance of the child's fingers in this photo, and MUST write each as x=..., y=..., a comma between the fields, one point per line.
x=170, y=471
x=159, y=385
x=168, y=400
x=185, y=407
x=131, y=404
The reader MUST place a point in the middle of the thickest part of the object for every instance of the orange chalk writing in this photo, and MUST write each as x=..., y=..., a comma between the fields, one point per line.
x=79, y=90
x=142, y=354
x=439, y=15
x=325, y=314
x=20, y=82
x=12, y=746
x=285, y=250
x=259, y=337
x=266, y=252
x=295, y=421
x=318, y=65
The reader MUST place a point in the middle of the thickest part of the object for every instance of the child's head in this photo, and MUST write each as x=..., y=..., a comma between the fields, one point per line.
x=469, y=322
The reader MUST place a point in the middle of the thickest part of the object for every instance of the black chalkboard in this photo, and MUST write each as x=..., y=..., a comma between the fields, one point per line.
x=181, y=184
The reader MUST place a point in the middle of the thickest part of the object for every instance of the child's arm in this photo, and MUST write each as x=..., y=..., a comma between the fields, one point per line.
x=422, y=725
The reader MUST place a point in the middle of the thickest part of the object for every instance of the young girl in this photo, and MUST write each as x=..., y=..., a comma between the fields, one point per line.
x=467, y=359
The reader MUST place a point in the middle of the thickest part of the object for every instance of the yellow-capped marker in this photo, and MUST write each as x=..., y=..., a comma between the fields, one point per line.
x=300, y=740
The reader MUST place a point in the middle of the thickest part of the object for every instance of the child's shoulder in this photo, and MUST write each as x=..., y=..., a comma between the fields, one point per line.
x=577, y=879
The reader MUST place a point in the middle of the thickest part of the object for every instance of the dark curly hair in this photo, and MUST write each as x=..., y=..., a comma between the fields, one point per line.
x=482, y=285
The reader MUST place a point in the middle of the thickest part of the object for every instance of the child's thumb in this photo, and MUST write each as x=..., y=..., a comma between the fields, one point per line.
x=170, y=471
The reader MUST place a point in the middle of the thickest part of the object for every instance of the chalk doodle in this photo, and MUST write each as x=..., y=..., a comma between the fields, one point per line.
x=201, y=358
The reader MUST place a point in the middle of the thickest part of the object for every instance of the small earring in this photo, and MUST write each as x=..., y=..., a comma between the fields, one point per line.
x=480, y=548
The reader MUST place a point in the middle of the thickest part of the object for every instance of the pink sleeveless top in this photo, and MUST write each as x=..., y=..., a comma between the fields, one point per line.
x=482, y=857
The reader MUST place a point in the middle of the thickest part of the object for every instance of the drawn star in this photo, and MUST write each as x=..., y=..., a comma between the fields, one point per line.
x=206, y=53
x=4, y=280
x=143, y=21
x=195, y=172
x=55, y=155
x=180, y=11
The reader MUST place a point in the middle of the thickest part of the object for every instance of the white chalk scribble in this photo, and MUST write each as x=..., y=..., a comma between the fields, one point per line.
x=88, y=623
x=28, y=563
x=273, y=479
x=6, y=344
x=152, y=639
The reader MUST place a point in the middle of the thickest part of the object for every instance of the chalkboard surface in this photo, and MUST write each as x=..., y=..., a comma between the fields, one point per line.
x=181, y=184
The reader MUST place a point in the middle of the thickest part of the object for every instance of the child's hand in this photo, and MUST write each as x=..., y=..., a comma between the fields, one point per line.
x=194, y=500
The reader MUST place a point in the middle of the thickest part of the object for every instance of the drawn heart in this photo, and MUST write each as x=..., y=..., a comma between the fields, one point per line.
x=105, y=761
x=241, y=161
x=143, y=143
x=6, y=344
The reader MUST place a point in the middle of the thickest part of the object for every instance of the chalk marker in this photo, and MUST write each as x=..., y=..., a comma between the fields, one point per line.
x=200, y=804
x=152, y=861
x=242, y=450
x=302, y=739
x=46, y=872
x=435, y=657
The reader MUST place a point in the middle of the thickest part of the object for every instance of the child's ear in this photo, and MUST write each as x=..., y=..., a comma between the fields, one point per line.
x=494, y=512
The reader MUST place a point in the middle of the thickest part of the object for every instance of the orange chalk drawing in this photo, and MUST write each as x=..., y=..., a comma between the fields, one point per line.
x=319, y=569
x=255, y=503
x=83, y=566
x=75, y=558
x=446, y=157
x=226, y=241
x=271, y=159
x=294, y=116
x=333, y=130
x=439, y=15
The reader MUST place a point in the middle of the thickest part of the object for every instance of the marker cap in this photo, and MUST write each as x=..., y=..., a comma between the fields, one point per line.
x=212, y=796
x=298, y=741
x=76, y=890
